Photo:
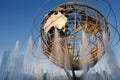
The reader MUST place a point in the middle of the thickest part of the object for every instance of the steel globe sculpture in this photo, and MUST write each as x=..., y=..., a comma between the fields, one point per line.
x=70, y=34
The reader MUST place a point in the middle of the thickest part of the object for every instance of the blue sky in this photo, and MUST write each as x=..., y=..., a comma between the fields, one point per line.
x=16, y=17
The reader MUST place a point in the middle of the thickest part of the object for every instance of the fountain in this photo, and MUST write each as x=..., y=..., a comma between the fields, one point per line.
x=13, y=67
x=74, y=37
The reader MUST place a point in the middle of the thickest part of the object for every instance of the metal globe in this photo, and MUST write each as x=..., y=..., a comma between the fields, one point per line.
x=70, y=34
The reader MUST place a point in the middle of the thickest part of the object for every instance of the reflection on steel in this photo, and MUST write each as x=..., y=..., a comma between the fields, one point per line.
x=71, y=20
